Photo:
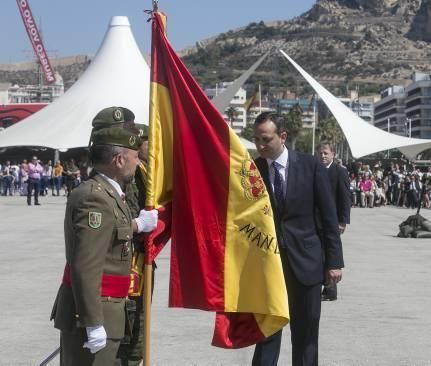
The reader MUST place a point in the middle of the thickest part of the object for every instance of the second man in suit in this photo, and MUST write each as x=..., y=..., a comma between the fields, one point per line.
x=340, y=189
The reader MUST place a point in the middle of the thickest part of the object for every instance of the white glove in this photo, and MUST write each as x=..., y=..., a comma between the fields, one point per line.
x=147, y=220
x=96, y=338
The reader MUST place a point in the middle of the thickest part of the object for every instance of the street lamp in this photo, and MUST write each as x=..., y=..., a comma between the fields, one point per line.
x=389, y=130
x=314, y=123
x=409, y=123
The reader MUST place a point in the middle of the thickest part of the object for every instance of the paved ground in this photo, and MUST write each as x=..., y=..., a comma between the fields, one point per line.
x=383, y=315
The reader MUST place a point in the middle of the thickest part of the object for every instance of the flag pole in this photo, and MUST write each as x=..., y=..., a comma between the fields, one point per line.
x=148, y=279
x=148, y=274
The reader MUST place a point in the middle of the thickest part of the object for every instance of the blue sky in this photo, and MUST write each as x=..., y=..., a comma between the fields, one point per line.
x=74, y=27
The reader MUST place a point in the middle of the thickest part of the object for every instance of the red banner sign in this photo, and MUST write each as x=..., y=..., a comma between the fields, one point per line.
x=36, y=41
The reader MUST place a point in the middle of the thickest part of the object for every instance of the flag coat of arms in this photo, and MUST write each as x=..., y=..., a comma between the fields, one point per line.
x=214, y=206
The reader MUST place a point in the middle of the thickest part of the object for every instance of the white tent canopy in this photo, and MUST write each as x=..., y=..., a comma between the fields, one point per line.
x=363, y=138
x=117, y=76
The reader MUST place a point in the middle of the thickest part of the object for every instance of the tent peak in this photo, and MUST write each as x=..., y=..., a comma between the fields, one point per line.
x=119, y=21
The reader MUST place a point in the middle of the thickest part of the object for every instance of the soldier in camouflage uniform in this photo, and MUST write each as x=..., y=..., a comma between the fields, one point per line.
x=131, y=347
x=90, y=306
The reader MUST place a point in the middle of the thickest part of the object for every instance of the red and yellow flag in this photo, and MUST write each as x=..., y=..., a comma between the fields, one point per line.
x=213, y=204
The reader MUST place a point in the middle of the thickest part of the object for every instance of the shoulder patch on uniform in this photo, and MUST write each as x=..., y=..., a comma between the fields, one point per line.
x=94, y=219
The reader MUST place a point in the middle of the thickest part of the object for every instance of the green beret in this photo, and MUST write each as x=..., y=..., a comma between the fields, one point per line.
x=118, y=136
x=142, y=130
x=113, y=116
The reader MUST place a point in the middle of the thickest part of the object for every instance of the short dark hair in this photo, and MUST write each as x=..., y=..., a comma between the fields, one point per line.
x=279, y=121
x=103, y=154
x=327, y=143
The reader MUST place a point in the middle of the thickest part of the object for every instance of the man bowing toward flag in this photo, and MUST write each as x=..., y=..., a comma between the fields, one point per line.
x=298, y=185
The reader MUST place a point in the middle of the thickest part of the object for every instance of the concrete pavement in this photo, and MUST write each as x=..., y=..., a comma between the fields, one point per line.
x=382, y=316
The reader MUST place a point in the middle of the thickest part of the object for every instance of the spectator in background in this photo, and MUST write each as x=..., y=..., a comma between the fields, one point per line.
x=8, y=179
x=46, y=177
x=395, y=184
x=34, y=173
x=72, y=174
x=23, y=178
x=84, y=169
x=353, y=189
x=415, y=191
x=367, y=193
x=57, y=177
x=15, y=173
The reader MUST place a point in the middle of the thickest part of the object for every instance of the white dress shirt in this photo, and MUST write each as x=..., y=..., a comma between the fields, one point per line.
x=281, y=163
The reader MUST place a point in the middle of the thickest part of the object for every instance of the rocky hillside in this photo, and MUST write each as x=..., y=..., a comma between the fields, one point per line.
x=370, y=43
x=338, y=41
x=70, y=68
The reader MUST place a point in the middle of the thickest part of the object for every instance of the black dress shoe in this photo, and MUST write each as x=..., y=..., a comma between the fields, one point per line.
x=37, y=204
x=325, y=297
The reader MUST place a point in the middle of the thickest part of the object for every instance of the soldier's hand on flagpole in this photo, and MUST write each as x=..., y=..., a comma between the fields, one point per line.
x=96, y=338
x=146, y=221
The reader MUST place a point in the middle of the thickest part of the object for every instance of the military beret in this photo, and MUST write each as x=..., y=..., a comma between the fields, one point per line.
x=113, y=116
x=118, y=136
x=142, y=130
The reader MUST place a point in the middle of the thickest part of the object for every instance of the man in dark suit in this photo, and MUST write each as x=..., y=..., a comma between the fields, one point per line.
x=340, y=189
x=298, y=185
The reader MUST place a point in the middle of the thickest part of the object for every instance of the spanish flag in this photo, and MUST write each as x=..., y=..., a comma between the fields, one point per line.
x=213, y=205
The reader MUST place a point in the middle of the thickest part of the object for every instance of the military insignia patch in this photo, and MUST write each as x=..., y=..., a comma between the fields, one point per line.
x=94, y=219
x=132, y=140
x=117, y=115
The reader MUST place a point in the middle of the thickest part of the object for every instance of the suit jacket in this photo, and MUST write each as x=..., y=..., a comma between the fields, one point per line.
x=307, y=190
x=93, y=248
x=340, y=188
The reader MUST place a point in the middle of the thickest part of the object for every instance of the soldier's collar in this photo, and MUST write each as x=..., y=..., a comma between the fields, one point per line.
x=114, y=184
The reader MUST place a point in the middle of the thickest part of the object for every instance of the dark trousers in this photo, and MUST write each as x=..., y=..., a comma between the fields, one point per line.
x=7, y=185
x=73, y=354
x=33, y=184
x=330, y=291
x=304, y=309
x=57, y=181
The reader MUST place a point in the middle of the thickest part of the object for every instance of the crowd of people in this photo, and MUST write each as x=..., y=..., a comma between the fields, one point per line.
x=396, y=185
x=38, y=178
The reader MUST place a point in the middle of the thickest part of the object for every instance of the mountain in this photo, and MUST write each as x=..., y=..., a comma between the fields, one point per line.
x=369, y=42
x=365, y=43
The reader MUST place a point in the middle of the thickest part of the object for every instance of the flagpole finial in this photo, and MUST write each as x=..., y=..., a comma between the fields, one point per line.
x=155, y=5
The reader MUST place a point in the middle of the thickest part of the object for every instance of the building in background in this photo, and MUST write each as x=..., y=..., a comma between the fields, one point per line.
x=406, y=110
x=35, y=93
x=235, y=114
x=418, y=106
x=389, y=112
x=305, y=104
x=20, y=101
x=363, y=106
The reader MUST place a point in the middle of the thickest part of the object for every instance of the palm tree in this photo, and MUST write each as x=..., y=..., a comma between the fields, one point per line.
x=293, y=123
x=330, y=131
x=231, y=113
